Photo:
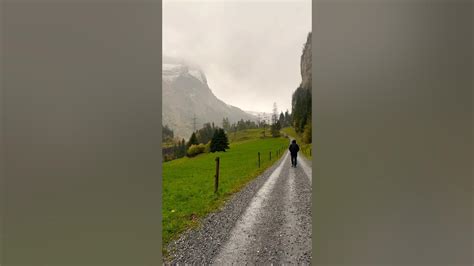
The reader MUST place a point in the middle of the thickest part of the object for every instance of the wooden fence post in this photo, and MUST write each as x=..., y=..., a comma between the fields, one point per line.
x=216, y=182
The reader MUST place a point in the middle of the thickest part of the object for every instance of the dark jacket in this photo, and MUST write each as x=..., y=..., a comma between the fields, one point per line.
x=294, y=148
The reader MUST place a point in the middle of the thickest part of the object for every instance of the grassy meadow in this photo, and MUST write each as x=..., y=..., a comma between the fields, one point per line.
x=304, y=148
x=188, y=183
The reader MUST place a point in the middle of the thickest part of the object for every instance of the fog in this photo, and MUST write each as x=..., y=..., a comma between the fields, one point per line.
x=250, y=51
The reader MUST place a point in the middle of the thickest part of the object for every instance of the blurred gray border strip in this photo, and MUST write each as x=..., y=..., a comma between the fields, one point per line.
x=81, y=123
x=3, y=195
x=392, y=105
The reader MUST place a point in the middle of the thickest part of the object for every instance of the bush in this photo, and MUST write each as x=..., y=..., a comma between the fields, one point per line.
x=196, y=149
x=207, y=148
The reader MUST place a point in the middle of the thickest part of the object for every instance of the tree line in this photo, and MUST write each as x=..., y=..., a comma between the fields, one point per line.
x=301, y=112
x=301, y=108
x=211, y=138
x=207, y=139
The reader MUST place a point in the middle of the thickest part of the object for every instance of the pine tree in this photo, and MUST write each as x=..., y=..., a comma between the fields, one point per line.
x=192, y=140
x=282, y=120
x=175, y=151
x=287, y=119
x=301, y=108
x=275, y=114
x=219, y=141
x=275, y=129
x=204, y=135
x=182, y=150
x=226, y=124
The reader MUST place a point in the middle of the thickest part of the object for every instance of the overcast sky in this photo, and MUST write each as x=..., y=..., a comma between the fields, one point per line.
x=250, y=51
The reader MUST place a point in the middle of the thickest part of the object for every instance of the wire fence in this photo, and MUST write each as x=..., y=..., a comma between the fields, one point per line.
x=214, y=168
x=261, y=161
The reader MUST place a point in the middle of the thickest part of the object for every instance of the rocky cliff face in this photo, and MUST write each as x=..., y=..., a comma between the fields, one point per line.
x=301, y=99
x=186, y=94
x=306, y=59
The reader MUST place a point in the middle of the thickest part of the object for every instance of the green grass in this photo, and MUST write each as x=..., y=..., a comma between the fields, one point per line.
x=304, y=147
x=248, y=134
x=188, y=183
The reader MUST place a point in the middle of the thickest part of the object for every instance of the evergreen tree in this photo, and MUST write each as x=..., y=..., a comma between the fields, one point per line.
x=192, y=140
x=219, y=141
x=274, y=114
x=282, y=120
x=182, y=150
x=287, y=119
x=175, y=151
x=167, y=134
x=275, y=129
x=204, y=135
x=301, y=108
x=226, y=124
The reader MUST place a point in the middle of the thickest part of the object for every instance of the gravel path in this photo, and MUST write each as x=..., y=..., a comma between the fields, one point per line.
x=269, y=221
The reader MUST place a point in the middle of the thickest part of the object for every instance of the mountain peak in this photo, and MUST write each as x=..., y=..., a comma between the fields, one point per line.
x=174, y=67
x=186, y=95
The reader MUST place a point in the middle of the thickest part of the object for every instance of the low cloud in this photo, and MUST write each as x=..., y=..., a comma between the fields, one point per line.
x=250, y=51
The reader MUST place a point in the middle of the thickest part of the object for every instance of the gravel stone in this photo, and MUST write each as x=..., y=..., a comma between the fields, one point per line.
x=280, y=231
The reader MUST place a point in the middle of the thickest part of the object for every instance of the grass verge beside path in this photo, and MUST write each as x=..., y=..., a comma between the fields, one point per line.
x=304, y=147
x=188, y=183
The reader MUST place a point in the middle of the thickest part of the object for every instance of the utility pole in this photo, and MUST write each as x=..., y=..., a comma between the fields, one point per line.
x=194, y=123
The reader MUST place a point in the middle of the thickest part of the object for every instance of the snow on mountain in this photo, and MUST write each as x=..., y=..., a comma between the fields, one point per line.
x=198, y=74
x=186, y=95
x=172, y=71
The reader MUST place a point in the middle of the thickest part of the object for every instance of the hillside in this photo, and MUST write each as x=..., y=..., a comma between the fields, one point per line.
x=186, y=94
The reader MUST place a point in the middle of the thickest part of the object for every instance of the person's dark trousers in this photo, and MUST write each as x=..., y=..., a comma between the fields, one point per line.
x=293, y=159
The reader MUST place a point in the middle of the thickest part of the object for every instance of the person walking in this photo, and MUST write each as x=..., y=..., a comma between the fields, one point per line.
x=294, y=148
